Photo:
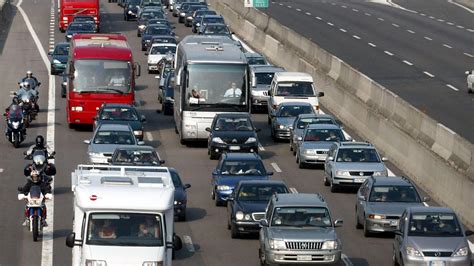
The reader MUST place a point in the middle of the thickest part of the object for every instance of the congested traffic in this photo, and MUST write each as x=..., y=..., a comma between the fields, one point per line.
x=213, y=86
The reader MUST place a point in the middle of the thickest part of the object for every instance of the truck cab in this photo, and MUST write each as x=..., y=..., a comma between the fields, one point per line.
x=290, y=87
x=123, y=215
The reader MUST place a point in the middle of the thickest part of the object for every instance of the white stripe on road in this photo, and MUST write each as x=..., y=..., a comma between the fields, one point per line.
x=450, y=23
x=381, y=19
x=407, y=62
x=367, y=14
x=260, y=147
x=355, y=10
x=470, y=55
x=188, y=242
x=447, y=46
x=346, y=260
x=410, y=31
x=459, y=26
x=356, y=37
x=428, y=74
x=395, y=25
x=330, y=24
x=319, y=18
x=299, y=10
x=452, y=87
x=1, y=170
x=373, y=45
x=343, y=30
x=428, y=38
x=47, y=247
x=275, y=166
x=387, y=52
x=307, y=13
x=149, y=136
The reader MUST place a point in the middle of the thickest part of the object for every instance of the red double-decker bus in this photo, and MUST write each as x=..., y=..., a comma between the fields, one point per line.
x=100, y=70
x=68, y=9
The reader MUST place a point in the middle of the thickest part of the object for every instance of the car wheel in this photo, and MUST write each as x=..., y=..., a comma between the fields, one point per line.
x=301, y=165
x=234, y=233
x=326, y=181
x=228, y=223
x=291, y=145
x=366, y=231
x=212, y=155
x=334, y=187
x=358, y=224
x=217, y=201
x=182, y=217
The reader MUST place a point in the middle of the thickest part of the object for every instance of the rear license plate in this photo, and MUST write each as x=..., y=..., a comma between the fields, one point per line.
x=304, y=257
x=437, y=263
x=359, y=180
x=234, y=148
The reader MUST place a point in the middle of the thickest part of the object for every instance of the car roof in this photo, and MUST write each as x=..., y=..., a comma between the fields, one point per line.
x=113, y=127
x=319, y=116
x=299, y=199
x=216, y=24
x=266, y=68
x=323, y=126
x=294, y=103
x=241, y=156
x=212, y=16
x=391, y=181
x=421, y=209
x=62, y=44
x=293, y=76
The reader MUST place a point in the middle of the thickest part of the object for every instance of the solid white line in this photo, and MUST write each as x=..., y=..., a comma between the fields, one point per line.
x=428, y=38
x=149, y=136
x=410, y=31
x=281, y=4
x=188, y=242
x=470, y=55
x=319, y=18
x=373, y=45
x=387, y=52
x=330, y=24
x=381, y=19
x=447, y=46
x=307, y=13
x=407, y=62
x=275, y=166
x=395, y=25
x=47, y=246
x=343, y=30
x=452, y=87
x=346, y=260
x=356, y=37
x=260, y=147
x=461, y=6
x=367, y=14
x=428, y=74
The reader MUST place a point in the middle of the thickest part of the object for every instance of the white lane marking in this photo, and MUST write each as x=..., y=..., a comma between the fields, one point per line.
x=355, y=10
x=428, y=38
x=275, y=166
x=459, y=26
x=281, y=4
x=188, y=242
x=319, y=18
x=307, y=13
x=1, y=170
x=410, y=31
x=452, y=87
x=471, y=30
x=431, y=17
x=470, y=55
x=343, y=30
x=371, y=44
x=447, y=46
x=450, y=23
x=344, y=6
x=330, y=24
x=299, y=10
x=260, y=147
x=149, y=136
x=289, y=6
x=428, y=74
x=395, y=25
x=346, y=260
x=293, y=190
x=390, y=173
x=387, y=52
x=47, y=245
x=407, y=62
x=356, y=37
x=367, y=14
x=440, y=20
x=461, y=6
x=381, y=19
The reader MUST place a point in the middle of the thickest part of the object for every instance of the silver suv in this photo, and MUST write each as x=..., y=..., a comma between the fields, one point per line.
x=431, y=236
x=298, y=229
x=351, y=163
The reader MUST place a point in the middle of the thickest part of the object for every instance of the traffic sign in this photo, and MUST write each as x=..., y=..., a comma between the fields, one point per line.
x=256, y=3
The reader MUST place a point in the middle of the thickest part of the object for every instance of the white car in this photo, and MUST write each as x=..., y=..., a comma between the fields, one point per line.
x=157, y=52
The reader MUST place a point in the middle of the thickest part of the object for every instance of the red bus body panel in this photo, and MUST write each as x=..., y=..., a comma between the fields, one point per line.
x=69, y=8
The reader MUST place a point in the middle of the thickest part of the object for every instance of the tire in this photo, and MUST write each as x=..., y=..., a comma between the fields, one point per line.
x=301, y=165
x=53, y=73
x=394, y=260
x=212, y=155
x=63, y=93
x=269, y=121
x=217, y=201
x=16, y=142
x=326, y=181
x=358, y=224
x=366, y=232
x=228, y=223
x=469, y=90
x=35, y=228
x=334, y=187
x=234, y=233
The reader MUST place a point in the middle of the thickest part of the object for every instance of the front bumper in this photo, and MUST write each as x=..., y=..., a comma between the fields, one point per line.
x=217, y=148
x=296, y=256
x=381, y=225
x=58, y=67
x=354, y=181
x=313, y=159
x=282, y=133
x=437, y=261
x=249, y=227
x=223, y=195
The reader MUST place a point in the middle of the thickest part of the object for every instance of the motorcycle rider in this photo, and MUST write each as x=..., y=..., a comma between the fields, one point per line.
x=15, y=103
x=26, y=88
x=49, y=169
x=29, y=75
x=35, y=180
x=40, y=146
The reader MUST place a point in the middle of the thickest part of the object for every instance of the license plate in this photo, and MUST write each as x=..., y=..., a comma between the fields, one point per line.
x=359, y=180
x=393, y=223
x=304, y=257
x=437, y=263
x=234, y=148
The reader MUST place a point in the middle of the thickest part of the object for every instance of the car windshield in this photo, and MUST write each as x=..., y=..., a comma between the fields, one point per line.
x=294, y=110
x=295, y=89
x=434, y=225
x=246, y=167
x=119, y=113
x=114, y=137
x=301, y=217
x=163, y=49
x=358, y=155
x=256, y=61
x=136, y=157
x=259, y=192
x=205, y=12
x=216, y=30
x=80, y=27
x=61, y=50
x=233, y=124
x=264, y=78
x=304, y=122
x=150, y=15
x=394, y=194
x=324, y=135
x=124, y=229
x=102, y=76
x=157, y=31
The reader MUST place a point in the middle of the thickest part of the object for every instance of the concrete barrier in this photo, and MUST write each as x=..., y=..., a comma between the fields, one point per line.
x=436, y=158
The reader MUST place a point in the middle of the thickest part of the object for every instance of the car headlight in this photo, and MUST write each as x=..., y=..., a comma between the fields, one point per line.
x=152, y=263
x=376, y=216
x=277, y=244
x=198, y=24
x=330, y=244
x=217, y=140
x=95, y=154
x=96, y=263
x=56, y=61
x=343, y=173
x=69, y=36
x=309, y=152
x=182, y=14
x=279, y=126
x=411, y=251
x=179, y=202
x=15, y=125
x=379, y=173
x=129, y=12
x=26, y=100
x=138, y=132
x=147, y=40
x=239, y=215
x=190, y=18
x=142, y=27
x=461, y=252
x=223, y=187
x=250, y=140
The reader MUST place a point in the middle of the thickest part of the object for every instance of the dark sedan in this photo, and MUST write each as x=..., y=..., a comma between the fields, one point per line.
x=121, y=114
x=180, y=196
x=59, y=58
x=231, y=132
x=79, y=28
x=85, y=19
x=246, y=206
x=210, y=19
x=187, y=9
x=283, y=117
x=144, y=17
x=153, y=30
x=130, y=10
x=198, y=14
x=188, y=17
x=232, y=168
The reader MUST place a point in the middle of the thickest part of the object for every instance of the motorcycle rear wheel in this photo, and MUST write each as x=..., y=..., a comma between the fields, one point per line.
x=35, y=228
x=16, y=142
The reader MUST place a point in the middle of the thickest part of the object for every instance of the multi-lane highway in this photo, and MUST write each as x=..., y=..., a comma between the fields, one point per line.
x=207, y=240
x=418, y=49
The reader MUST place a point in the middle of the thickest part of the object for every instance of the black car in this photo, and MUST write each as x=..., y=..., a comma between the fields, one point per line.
x=188, y=17
x=246, y=205
x=153, y=30
x=130, y=9
x=144, y=17
x=167, y=95
x=59, y=58
x=180, y=196
x=138, y=155
x=121, y=114
x=210, y=19
x=187, y=9
x=85, y=19
x=79, y=28
x=231, y=132
x=198, y=14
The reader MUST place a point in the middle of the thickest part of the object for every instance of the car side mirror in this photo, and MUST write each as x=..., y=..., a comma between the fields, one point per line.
x=426, y=199
x=469, y=233
x=258, y=129
x=467, y=72
x=208, y=129
x=71, y=240
x=186, y=186
x=269, y=173
x=320, y=94
x=384, y=159
x=141, y=143
x=143, y=118
x=177, y=243
x=330, y=158
x=291, y=127
x=87, y=141
x=300, y=138
x=338, y=223
x=264, y=223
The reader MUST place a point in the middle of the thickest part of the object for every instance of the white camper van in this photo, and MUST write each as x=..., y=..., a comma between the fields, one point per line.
x=123, y=215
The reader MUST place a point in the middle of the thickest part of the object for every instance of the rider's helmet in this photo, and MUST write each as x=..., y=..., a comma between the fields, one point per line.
x=29, y=73
x=34, y=176
x=39, y=141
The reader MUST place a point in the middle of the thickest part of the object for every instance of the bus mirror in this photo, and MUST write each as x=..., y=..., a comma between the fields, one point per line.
x=138, y=70
x=177, y=80
x=254, y=82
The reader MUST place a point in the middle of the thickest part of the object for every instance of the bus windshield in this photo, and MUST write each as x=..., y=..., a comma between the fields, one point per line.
x=216, y=84
x=102, y=76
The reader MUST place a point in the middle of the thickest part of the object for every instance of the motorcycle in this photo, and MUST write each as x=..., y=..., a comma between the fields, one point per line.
x=34, y=209
x=27, y=104
x=15, y=132
x=40, y=164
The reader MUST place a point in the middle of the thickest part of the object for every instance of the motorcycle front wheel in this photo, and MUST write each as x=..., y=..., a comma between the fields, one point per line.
x=35, y=228
x=16, y=142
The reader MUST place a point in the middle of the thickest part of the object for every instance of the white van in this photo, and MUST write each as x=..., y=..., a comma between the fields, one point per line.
x=123, y=215
x=291, y=87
